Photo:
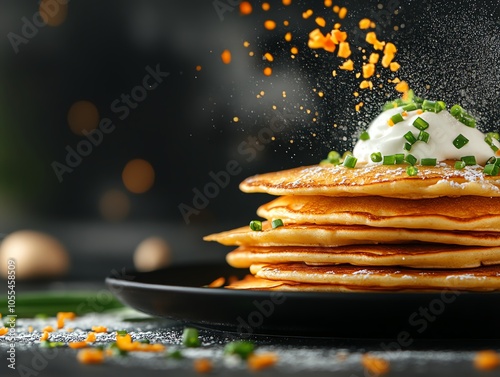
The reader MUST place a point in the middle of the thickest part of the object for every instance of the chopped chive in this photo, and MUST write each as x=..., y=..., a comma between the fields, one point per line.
x=350, y=161
x=459, y=165
x=491, y=169
x=176, y=355
x=420, y=123
x=407, y=146
x=494, y=160
x=276, y=223
x=428, y=161
x=376, y=156
x=423, y=136
x=121, y=332
x=489, y=140
x=396, y=118
x=462, y=116
x=433, y=106
x=389, y=159
x=411, y=159
x=493, y=135
x=410, y=137
x=256, y=225
x=411, y=170
x=456, y=110
x=460, y=141
x=469, y=160
x=468, y=120
x=410, y=107
x=400, y=157
x=333, y=156
x=240, y=347
x=364, y=136
x=190, y=337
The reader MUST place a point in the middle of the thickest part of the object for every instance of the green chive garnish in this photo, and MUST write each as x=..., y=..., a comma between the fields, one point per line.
x=410, y=137
x=459, y=165
x=407, y=146
x=411, y=170
x=276, y=223
x=411, y=159
x=389, y=160
x=410, y=107
x=433, y=106
x=190, y=337
x=396, y=118
x=491, y=169
x=176, y=355
x=241, y=348
x=460, y=141
x=469, y=160
x=364, y=136
x=121, y=332
x=333, y=157
x=376, y=156
x=462, y=116
x=400, y=157
x=493, y=160
x=256, y=225
x=428, y=161
x=420, y=124
x=350, y=161
x=423, y=136
x=489, y=140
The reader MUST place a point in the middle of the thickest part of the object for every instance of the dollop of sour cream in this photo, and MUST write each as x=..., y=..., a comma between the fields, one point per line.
x=443, y=129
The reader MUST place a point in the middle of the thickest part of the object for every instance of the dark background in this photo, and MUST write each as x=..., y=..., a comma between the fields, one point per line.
x=184, y=128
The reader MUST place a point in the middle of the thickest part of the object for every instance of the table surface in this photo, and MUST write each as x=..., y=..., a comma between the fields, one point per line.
x=296, y=355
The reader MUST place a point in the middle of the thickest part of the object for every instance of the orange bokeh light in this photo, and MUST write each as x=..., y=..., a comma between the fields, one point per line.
x=138, y=176
x=83, y=116
x=53, y=13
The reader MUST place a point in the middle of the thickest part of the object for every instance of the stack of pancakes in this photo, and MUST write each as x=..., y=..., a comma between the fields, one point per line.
x=372, y=227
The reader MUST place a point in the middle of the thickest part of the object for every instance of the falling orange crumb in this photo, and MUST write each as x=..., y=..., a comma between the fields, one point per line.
x=394, y=66
x=328, y=3
x=48, y=329
x=336, y=8
x=30, y=329
x=308, y=13
x=368, y=70
x=390, y=48
x=321, y=94
x=348, y=65
x=320, y=21
x=288, y=37
x=245, y=8
x=226, y=56
x=91, y=337
x=270, y=24
x=364, y=23
x=339, y=36
x=262, y=361
x=203, y=365
x=44, y=336
x=286, y=2
x=99, y=329
x=344, y=50
x=246, y=44
x=268, y=71
x=365, y=84
x=219, y=282
x=487, y=360
x=420, y=111
x=78, y=345
x=375, y=365
x=342, y=13
x=294, y=50
x=337, y=25
x=286, y=23
x=266, y=6
x=334, y=73
x=3, y=331
x=402, y=87
x=90, y=356
x=373, y=59
x=198, y=68
x=268, y=57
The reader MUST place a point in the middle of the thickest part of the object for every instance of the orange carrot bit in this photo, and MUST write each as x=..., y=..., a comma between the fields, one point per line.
x=420, y=111
x=3, y=331
x=294, y=50
x=44, y=336
x=375, y=365
x=336, y=8
x=270, y=24
x=48, y=329
x=342, y=13
x=316, y=39
x=268, y=71
x=402, y=87
x=371, y=37
x=266, y=6
x=286, y=2
x=308, y=13
x=124, y=342
x=373, y=59
x=62, y=316
x=268, y=57
x=245, y=8
x=379, y=45
x=365, y=84
x=328, y=3
x=30, y=329
x=368, y=70
x=394, y=66
x=78, y=345
x=348, y=65
x=364, y=23
x=386, y=60
x=487, y=360
x=337, y=25
x=404, y=113
x=329, y=44
x=203, y=365
x=390, y=48
x=99, y=329
x=340, y=36
x=261, y=361
x=320, y=21
x=288, y=37
x=372, y=25
x=90, y=337
x=217, y=283
x=344, y=50
x=90, y=356
x=390, y=123
x=359, y=106
x=226, y=56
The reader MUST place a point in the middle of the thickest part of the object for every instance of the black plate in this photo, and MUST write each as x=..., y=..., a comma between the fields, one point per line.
x=177, y=293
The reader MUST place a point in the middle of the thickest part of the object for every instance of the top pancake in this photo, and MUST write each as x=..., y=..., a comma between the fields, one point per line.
x=382, y=180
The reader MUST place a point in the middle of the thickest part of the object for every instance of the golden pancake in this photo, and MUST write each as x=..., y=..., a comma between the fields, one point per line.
x=339, y=235
x=381, y=180
x=480, y=278
x=450, y=213
x=408, y=255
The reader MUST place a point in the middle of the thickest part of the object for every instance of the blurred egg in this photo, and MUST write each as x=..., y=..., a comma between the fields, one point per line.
x=151, y=254
x=36, y=255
